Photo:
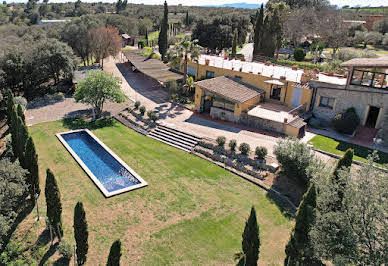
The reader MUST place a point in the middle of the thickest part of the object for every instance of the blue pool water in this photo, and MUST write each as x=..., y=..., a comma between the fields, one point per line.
x=101, y=163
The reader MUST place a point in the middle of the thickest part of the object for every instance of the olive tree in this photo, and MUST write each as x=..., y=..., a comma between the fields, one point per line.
x=97, y=88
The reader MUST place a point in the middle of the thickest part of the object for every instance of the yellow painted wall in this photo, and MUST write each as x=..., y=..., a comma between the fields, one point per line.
x=198, y=95
x=257, y=81
x=242, y=107
x=291, y=131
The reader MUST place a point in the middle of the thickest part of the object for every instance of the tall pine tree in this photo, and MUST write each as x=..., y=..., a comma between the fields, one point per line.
x=80, y=233
x=163, y=34
x=234, y=43
x=343, y=163
x=53, y=204
x=21, y=136
x=31, y=164
x=258, y=31
x=10, y=106
x=299, y=249
x=251, y=241
x=20, y=112
x=114, y=254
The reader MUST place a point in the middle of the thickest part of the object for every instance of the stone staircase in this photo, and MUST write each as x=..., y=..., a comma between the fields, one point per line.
x=175, y=138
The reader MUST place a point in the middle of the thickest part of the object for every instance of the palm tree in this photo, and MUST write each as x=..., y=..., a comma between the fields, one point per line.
x=181, y=53
x=189, y=85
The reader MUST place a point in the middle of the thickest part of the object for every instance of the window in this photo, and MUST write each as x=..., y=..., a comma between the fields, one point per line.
x=209, y=74
x=191, y=71
x=369, y=79
x=238, y=77
x=326, y=102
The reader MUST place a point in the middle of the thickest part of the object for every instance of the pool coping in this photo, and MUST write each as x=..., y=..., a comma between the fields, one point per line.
x=100, y=186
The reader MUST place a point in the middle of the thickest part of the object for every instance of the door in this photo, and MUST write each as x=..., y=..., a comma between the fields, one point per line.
x=296, y=97
x=276, y=92
x=373, y=114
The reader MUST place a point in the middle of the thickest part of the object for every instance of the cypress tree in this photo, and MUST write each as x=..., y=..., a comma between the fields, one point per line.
x=80, y=233
x=299, y=249
x=21, y=113
x=251, y=241
x=10, y=106
x=31, y=164
x=234, y=43
x=163, y=38
x=342, y=164
x=53, y=204
x=114, y=254
x=118, y=6
x=146, y=36
x=258, y=32
x=187, y=18
x=21, y=136
x=13, y=130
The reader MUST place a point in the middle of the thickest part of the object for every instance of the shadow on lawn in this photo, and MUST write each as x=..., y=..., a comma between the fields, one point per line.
x=362, y=151
x=48, y=254
x=79, y=123
x=25, y=210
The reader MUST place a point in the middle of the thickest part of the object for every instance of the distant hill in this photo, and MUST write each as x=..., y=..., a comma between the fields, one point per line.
x=238, y=5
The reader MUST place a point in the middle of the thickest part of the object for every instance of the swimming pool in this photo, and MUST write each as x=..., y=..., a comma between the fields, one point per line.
x=110, y=174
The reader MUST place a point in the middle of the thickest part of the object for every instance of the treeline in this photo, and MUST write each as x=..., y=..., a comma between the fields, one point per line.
x=39, y=60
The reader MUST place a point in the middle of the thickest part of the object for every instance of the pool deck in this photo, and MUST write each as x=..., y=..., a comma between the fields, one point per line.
x=96, y=181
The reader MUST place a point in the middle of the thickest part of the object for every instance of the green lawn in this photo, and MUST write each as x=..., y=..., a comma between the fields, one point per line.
x=339, y=147
x=191, y=213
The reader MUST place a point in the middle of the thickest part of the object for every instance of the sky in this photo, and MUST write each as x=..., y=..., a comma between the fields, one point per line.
x=339, y=3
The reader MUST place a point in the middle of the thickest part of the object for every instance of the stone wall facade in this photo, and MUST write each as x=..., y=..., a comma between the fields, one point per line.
x=256, y=122
x=220, y=113
x=361, y=98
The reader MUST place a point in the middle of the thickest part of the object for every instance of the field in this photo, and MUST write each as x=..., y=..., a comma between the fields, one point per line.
x=191, y=213
x=339, y=147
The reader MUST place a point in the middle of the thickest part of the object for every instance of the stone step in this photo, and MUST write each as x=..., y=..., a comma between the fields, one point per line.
x=174, y=135
x=174, y=140
x=170, y=142
x=179, y=132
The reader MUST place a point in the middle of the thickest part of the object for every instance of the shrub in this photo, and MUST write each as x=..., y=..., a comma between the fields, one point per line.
x=294, y=158
x=232, y=144
x=221, y=140
x=309, y=65
x=142, y=109
x=346, y=54
x=149, y=114
x=299, y=54
x=175, y=97
x=154, y=117
x=171, y=85
x=137, y=104
x=261, y=152
x=19, y=100
x=346, y=122
x=65, y=249
x=244, y=148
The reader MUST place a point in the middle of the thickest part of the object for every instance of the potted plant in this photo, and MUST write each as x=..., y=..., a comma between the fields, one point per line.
x=330, y=74
x=207, y=61
x=268, y=63
x=294, y=67
x=225, y=56
x=316, y=71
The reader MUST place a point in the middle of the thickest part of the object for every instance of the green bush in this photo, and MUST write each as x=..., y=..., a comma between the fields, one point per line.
x=294, y=158
x=65, y=249
x=172, y=86
x=261, y=152
x=19, y=100
x=232, y=144
x=284, y=62
x=137, y=104
x=152, y=116
x=347, y=121
x=142, y=43
x=221, y=140
x=299, y=54
x=244, y=148
x=142, y=109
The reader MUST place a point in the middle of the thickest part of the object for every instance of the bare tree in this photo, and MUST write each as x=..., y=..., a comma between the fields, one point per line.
x=301, y=23
x=105, y=42
x=332, y=29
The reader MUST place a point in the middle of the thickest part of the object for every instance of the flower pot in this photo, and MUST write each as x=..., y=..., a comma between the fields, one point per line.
x=330, y=74
x=267, y=63
x=316, y=71
x=243, y=60
x=207, y=61
x=294, y=68
x=225, y=57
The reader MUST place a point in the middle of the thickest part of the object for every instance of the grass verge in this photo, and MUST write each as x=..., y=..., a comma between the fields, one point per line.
x=339, y=147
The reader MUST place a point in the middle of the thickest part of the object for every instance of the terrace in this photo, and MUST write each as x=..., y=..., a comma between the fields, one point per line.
x=271, y=71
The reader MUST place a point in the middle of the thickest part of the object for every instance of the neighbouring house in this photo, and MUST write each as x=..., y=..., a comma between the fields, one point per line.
x=366, y=90
x=130, y=40
x=288, y=96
